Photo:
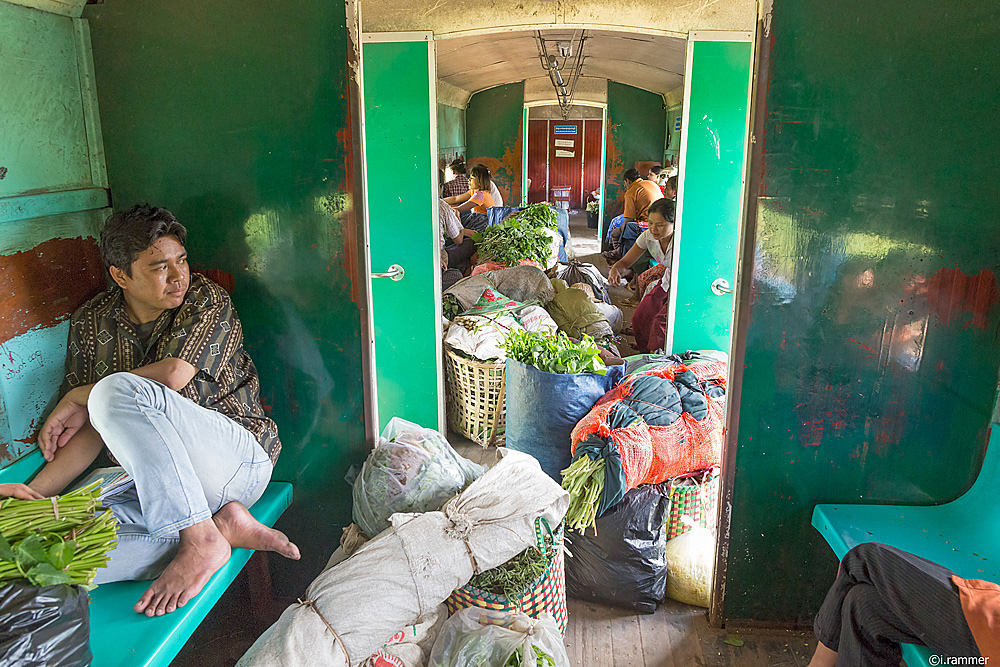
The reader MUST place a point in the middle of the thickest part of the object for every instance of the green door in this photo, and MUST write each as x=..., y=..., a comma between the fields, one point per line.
x=710, y=189
x=399, y=128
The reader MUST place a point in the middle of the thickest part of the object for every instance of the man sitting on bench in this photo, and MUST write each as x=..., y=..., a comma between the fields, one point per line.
x=156, y=372
x=883, y=597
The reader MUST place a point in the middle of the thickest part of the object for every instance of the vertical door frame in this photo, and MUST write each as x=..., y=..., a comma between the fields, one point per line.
x=747, y=228
x=357, y=39
x=362, y=281
x=524, y=156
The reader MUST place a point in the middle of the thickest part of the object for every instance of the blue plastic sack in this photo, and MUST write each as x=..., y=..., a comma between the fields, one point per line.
x=543, y=408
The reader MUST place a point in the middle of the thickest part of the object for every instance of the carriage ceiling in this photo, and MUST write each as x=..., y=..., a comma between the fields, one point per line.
x=470, y=64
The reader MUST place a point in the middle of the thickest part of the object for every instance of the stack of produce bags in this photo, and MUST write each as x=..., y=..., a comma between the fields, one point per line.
x=479, y=332
x=661, y=422
x=405, y=573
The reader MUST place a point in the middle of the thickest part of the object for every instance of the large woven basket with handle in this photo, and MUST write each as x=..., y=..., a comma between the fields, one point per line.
x=547, y=594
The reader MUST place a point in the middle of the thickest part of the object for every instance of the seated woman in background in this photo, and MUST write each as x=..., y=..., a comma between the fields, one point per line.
x=472, y=205
x=457, y=246
x=649, y=321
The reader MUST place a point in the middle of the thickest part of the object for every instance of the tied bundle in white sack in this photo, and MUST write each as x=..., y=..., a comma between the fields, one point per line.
x=350, y=610
x=475, y=637
x=413, y=469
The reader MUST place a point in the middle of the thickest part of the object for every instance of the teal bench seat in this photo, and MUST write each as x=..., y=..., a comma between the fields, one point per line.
x=119, y=637
x=963, y=535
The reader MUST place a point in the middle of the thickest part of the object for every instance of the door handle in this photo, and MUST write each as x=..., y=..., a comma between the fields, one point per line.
x=395, y=272
x=721, y=286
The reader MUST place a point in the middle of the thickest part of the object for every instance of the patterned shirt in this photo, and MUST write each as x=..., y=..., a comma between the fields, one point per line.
x=456, y=186
x=203, y=331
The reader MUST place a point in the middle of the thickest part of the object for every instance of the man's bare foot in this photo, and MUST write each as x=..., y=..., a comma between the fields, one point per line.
x=202, y=551
x=245, y=532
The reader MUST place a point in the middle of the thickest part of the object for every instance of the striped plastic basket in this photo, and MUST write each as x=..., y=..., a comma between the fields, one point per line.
x=546, y=594
x=698, y=497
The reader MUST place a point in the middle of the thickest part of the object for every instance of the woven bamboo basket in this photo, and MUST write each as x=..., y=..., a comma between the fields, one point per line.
x=475, y=396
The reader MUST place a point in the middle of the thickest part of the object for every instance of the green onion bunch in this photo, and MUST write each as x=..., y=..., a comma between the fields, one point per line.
x=59, y=540
x=584, y=480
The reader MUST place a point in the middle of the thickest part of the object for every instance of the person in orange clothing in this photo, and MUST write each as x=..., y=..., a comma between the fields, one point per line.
x=471, y=206
x=884, y=597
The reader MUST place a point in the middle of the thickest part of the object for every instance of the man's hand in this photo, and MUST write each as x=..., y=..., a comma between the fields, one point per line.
x=21, y=491
x=68, y=417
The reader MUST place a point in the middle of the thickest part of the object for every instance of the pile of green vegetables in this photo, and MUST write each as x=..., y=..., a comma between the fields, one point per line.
x=555, y=354
x=542, y=659
x=514, y=578
x=584, y=480
x=55, y=541
x=520, y=236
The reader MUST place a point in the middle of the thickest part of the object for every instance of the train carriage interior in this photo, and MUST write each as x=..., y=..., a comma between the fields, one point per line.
x=756, y=304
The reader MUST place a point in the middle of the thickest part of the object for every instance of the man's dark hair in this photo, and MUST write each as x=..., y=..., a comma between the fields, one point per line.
x=672, y=182
x=127, y=234
x=630, y=175
x=457, y=166
x=482, y=175
x=664, y=207
x=655, y=169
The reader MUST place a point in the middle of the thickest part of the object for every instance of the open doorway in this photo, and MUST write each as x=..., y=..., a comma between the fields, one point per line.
x=495, y=134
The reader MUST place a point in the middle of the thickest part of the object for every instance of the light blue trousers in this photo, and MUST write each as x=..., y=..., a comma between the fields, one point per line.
x=187, y=462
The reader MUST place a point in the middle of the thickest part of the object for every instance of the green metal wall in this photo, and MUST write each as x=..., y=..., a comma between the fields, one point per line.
x=451, y=130
x=871, y=338
x=636, y=133
x=53, y=199
x=493, y=135
x=235, y=116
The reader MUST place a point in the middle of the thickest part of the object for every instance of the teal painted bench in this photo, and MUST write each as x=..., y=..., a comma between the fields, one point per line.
x=963, y=535
x=119, y=637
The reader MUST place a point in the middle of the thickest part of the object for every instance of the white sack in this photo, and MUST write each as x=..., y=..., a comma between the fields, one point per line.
x=537, y=319
x=411, y=646
x=486, y=342
x=407, y=571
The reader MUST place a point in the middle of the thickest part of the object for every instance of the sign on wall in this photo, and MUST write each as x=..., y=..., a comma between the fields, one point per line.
x=564, y=129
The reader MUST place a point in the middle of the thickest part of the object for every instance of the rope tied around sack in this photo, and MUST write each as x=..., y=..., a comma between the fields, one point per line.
x=311, y=604
x=460, y=529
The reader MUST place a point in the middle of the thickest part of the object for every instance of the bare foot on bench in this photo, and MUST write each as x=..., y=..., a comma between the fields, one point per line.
x=201, y=552
x=245, y=532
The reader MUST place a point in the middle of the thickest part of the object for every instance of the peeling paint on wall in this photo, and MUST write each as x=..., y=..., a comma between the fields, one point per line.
x=43, y=286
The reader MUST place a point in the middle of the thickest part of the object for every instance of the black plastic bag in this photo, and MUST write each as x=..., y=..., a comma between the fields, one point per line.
x=623, y=565
x=44, y=626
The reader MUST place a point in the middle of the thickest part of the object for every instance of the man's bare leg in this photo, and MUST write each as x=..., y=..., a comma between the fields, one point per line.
x=242, y=531
x=69, y=461
x=823, y=657
x=202, y=551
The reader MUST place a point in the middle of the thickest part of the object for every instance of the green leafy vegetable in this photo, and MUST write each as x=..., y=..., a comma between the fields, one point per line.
x=555, y=354
x=61, y=542
x=520, y=236
x=542, y=659
x=584, y=480
x=513, y=579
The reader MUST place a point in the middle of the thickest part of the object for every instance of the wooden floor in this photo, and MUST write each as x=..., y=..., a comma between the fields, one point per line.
x=677, y=635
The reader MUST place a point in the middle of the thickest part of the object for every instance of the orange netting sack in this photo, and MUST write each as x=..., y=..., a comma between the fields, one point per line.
x=657, y=424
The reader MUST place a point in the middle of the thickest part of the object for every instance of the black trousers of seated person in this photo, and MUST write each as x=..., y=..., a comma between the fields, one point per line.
x=883, y=597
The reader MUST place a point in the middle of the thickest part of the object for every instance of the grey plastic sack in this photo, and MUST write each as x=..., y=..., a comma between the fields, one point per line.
x=413, y=469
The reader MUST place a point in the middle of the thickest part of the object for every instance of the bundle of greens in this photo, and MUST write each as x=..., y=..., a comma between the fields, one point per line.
x=57, y=540
x=584, y=480
x=514, y=578
x=542, y=659
x=521, y=236
x=555, y=354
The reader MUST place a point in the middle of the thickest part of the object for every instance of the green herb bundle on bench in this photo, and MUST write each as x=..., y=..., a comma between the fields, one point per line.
x=521, y=236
